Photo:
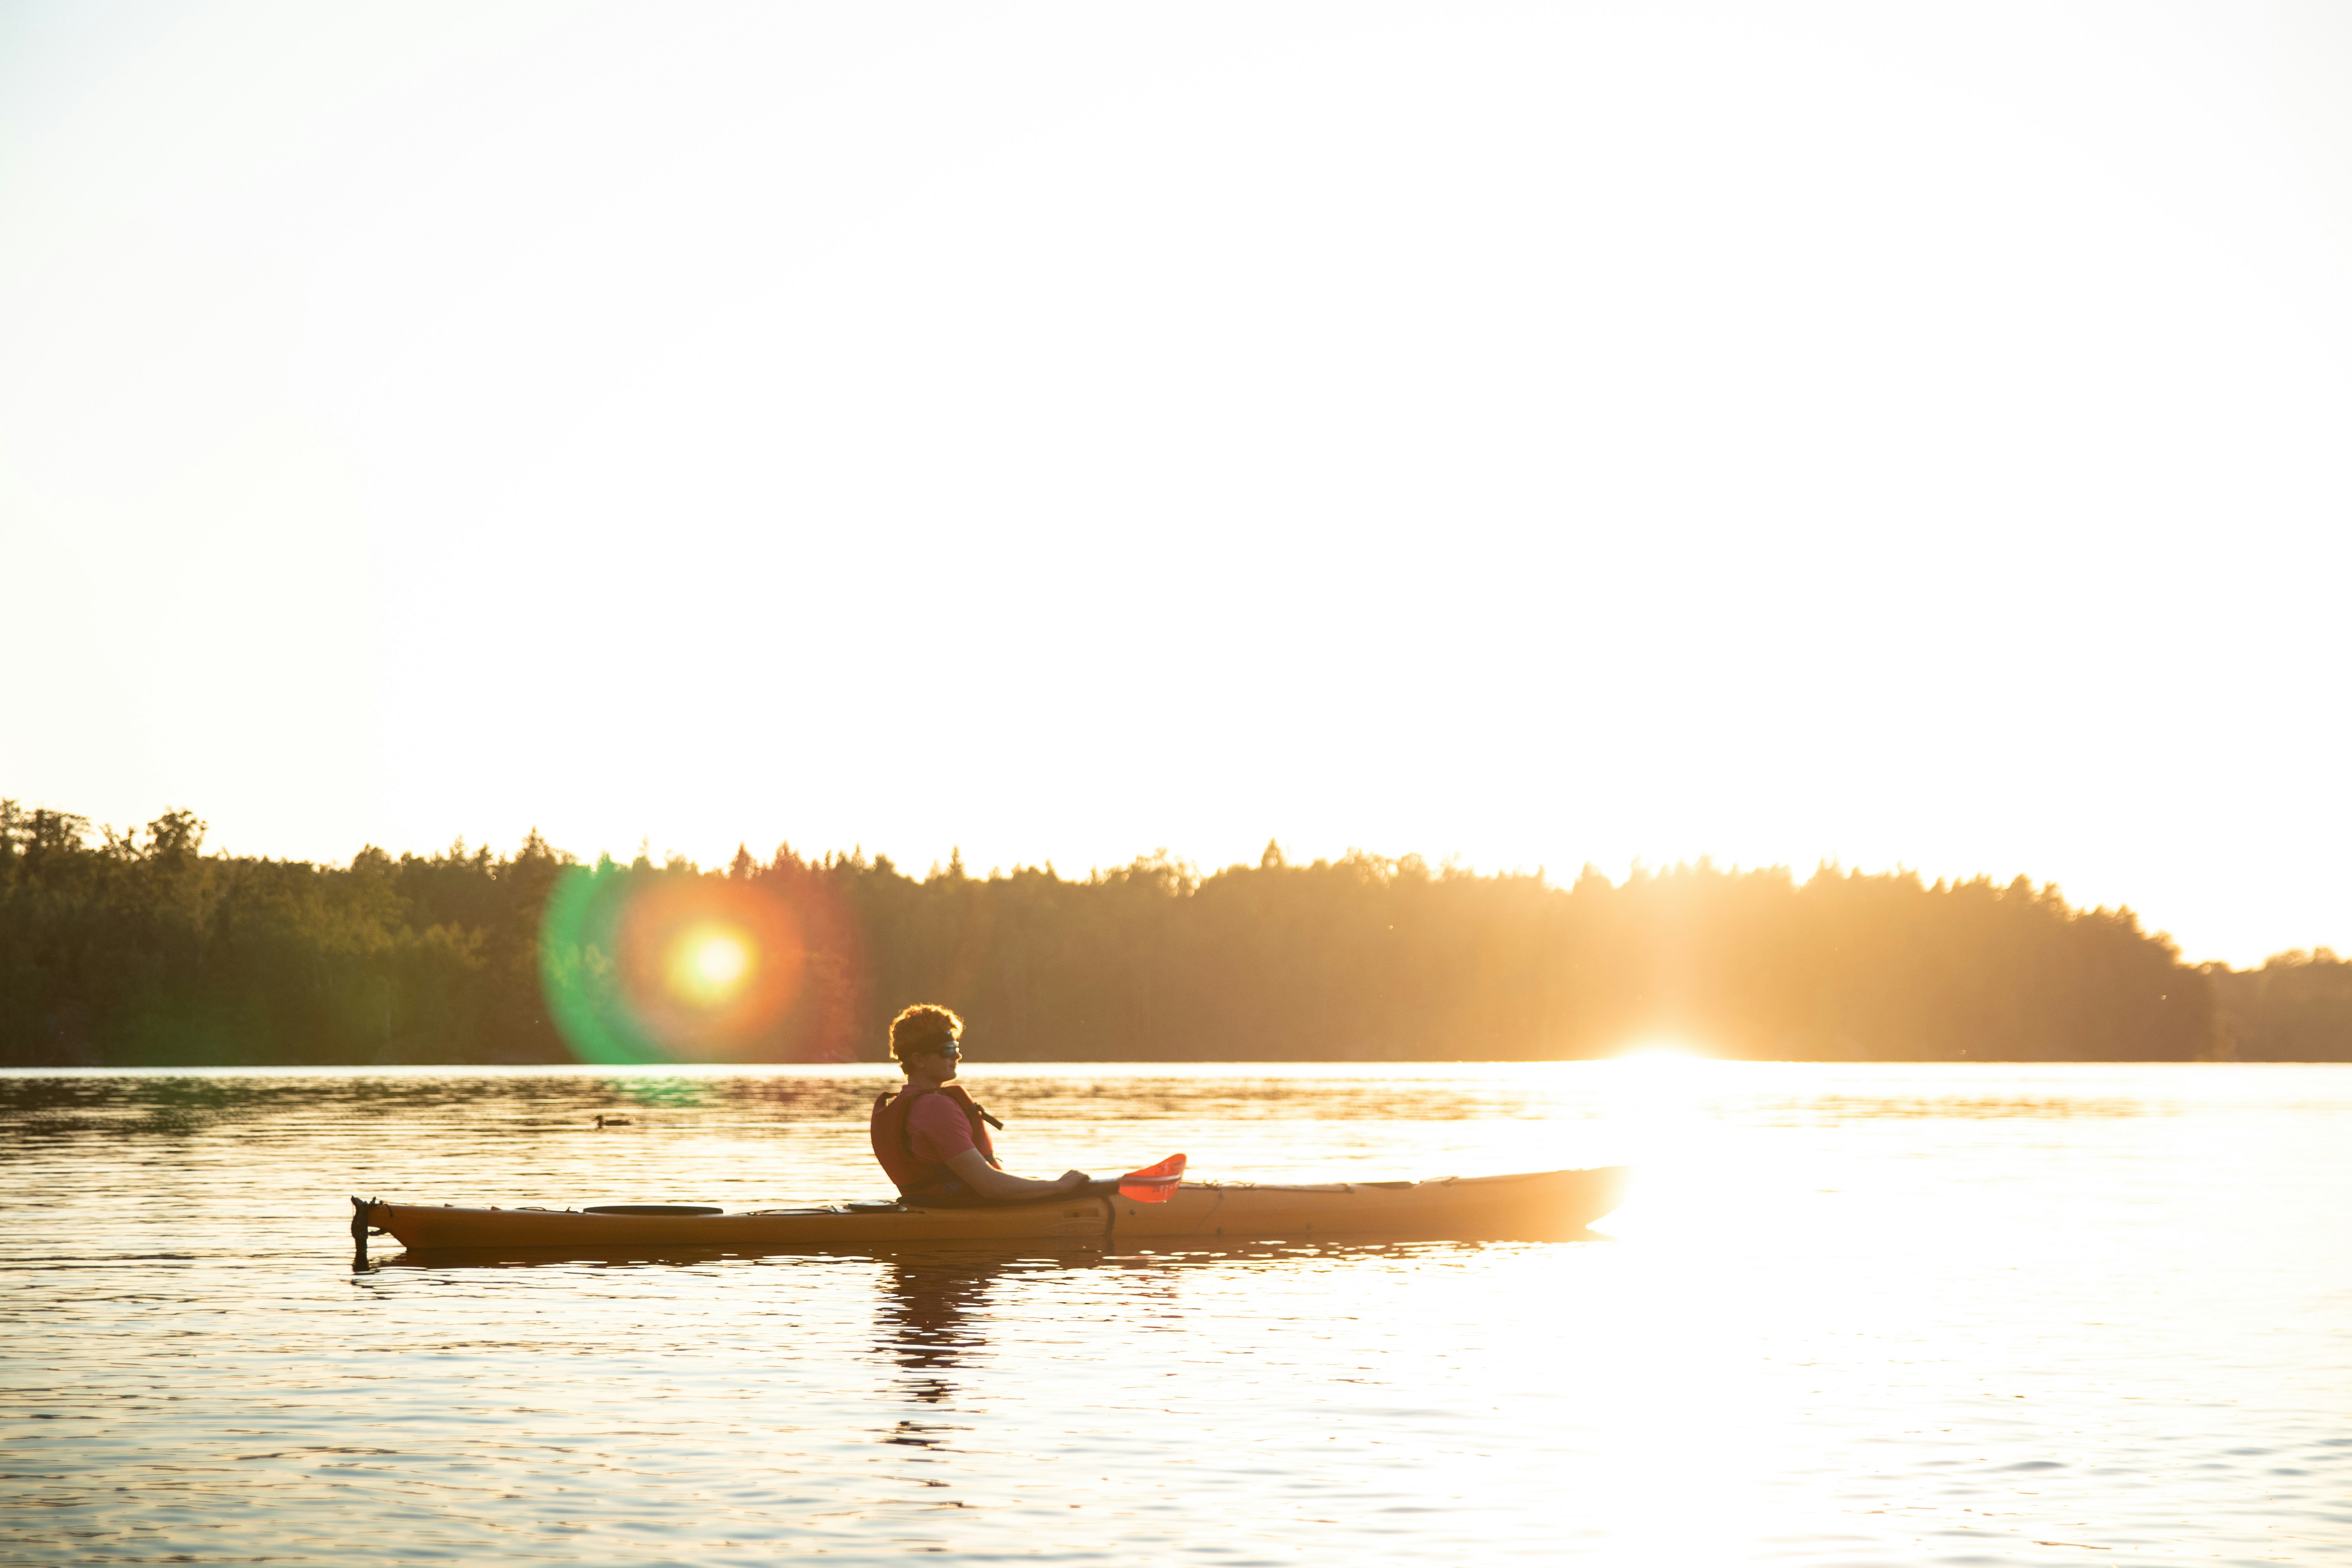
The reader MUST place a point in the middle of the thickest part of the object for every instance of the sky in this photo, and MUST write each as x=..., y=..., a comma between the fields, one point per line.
x=1540, y=435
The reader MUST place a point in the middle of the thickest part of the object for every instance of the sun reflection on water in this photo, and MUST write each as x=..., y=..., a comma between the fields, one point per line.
x=1849, y=1313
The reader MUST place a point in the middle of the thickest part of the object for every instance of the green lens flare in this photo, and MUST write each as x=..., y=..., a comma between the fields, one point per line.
x=642, y=965
x=580, y=969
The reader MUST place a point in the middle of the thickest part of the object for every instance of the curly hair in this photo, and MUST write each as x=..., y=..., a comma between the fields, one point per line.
x=922, y=1028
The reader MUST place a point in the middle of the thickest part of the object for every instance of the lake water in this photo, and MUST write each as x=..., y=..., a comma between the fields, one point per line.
x=1853, y=1314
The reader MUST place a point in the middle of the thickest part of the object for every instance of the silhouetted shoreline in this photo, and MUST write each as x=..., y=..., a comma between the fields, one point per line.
x=138, y=950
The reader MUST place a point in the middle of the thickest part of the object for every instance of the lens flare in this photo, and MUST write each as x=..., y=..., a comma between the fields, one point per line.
x=709, y=964
x=651, y=965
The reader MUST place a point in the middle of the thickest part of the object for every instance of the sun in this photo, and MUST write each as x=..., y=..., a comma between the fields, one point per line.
x=1669, y=1054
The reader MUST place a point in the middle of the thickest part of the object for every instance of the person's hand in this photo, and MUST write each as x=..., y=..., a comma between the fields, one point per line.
x=1075, y=1178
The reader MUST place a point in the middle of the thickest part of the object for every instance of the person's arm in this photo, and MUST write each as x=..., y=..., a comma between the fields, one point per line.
x=972, y=1169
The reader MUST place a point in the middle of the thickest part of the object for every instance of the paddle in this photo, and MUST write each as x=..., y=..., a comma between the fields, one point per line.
x=1153, y=1183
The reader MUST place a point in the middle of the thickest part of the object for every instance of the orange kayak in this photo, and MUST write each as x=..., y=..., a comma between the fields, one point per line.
x=1479, y=1208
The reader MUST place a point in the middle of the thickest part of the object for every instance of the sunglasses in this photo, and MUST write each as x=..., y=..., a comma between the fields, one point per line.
x=947, y=1050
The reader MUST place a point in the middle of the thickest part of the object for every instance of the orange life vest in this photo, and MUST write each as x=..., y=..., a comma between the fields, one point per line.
x=893, y=1144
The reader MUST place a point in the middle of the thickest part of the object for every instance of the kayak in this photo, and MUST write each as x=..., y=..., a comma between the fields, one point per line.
x=1541, y=1204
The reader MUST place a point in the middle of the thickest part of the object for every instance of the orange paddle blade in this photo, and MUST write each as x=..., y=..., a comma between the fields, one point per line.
x=1153, y=1183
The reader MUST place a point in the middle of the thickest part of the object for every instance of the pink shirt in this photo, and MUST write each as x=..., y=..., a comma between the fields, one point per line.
x=937, y=1129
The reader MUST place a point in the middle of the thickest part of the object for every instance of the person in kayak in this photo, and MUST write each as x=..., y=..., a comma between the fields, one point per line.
x=932, y=1138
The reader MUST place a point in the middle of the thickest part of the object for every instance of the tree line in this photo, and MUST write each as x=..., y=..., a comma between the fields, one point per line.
x=137, y=948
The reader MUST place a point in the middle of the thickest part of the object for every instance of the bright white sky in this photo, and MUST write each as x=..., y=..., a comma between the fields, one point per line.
x=1547, y=432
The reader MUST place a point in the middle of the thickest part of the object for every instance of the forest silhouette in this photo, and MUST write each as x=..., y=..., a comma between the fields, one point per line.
x=138, y=949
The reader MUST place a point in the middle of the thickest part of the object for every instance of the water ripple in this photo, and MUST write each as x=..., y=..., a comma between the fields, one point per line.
x=1853, y=1315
